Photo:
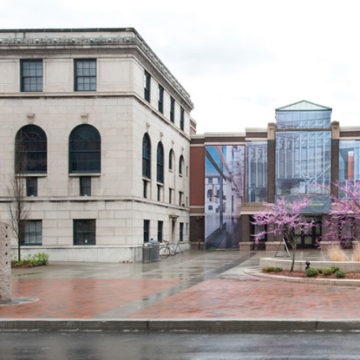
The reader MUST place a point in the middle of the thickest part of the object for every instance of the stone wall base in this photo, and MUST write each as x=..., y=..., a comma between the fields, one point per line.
x=246, y=246
x=106, y=254
x=273, y=246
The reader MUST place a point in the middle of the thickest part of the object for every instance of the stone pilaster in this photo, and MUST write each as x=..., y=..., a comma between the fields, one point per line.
x=5, y=265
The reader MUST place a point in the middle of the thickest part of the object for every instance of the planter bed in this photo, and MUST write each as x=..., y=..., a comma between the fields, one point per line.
x=299, y=266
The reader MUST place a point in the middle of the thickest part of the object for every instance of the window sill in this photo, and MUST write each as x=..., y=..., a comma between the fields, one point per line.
x=84, y=174
x=23, y=175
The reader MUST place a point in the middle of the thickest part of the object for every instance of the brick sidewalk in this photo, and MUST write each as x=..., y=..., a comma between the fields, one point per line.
x=217, y=298
x=183, y=287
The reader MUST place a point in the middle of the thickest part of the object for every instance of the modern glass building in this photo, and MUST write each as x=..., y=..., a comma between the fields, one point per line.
x=302, y=153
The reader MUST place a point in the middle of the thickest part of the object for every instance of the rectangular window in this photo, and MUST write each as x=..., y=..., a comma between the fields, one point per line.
x=31, y=74
x=172, y=109
x=145, y=189
x=146, y=231
x=160, y=231
x=147, y=85
x=181, y=231
x=31, y=186
x=85, y=185
x=182, y=119
x=85, y=74
x=161, y=99
x=85, y=232
x=256, y=171
x=180, y=198
x=170, y=195
x=31, y=232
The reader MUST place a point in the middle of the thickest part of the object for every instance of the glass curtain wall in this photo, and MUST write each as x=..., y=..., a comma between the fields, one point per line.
x=303, y=162
x=256, y=171
x=303, y=156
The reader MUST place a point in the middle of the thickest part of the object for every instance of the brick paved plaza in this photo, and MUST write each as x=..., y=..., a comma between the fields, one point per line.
x=189, y=286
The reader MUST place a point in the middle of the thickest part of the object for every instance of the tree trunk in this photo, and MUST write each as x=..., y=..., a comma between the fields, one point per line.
x=293, y=243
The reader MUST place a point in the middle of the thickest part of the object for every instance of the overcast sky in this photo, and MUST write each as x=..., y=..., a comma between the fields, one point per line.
x=239, y=60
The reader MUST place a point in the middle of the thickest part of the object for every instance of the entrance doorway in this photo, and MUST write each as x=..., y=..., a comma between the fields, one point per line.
x=256, y=229
x=312, y=237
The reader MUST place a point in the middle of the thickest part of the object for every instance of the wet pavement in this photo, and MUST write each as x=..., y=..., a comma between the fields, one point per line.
x=194, y=285
x=144, y=346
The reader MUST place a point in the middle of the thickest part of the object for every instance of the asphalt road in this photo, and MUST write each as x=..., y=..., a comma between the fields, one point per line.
x=177, y=346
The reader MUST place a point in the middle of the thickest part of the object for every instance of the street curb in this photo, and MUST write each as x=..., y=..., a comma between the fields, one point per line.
x=181, y=325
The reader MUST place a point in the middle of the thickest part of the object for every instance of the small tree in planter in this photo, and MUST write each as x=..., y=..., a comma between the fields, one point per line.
x=282, y=220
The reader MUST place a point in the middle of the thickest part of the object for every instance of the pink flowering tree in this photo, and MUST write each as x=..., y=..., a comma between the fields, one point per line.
x=282, y=219
x=345, y=213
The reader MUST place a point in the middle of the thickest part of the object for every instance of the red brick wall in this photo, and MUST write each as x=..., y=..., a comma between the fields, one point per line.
x=197, y=175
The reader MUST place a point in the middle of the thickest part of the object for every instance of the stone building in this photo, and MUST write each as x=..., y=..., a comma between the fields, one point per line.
x=303, y=153
x=98, y=130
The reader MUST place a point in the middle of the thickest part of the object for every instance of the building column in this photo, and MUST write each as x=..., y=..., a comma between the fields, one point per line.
x=271, y=148
x=335, y=136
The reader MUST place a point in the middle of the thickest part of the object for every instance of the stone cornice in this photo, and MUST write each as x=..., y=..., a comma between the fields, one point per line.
x=85, y=39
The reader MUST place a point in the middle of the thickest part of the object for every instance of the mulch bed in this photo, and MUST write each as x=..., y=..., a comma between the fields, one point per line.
x=24, y=265
x=319, y=276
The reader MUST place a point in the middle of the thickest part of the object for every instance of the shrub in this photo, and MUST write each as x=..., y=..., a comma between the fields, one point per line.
x=320, y=271
x=336, y=253
x=340, y=274
x=327, y=271
x=272, y=269
x=310, y=272
x=334, y=269
x=38, y=259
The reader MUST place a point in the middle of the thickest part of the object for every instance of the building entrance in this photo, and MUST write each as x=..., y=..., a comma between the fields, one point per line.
x=311, y=238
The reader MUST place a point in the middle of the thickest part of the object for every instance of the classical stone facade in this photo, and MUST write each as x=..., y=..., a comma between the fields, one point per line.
x=106, y=84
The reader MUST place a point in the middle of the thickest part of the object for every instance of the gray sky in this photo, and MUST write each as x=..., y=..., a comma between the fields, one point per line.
x=239, y=60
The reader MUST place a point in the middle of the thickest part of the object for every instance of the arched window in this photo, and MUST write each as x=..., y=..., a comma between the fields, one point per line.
x=85, y=150
x=30, y=150
x=146, y=156
x=171, y=159
x=160, y=163
x=181, y=165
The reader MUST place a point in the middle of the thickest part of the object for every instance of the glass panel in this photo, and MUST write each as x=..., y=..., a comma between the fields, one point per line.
x=160, y=163
x=32, y=232
x=85, y=185
x=85, y=75
x=256, y=171
x=31, y=75
x=146, y=156
x=30, y=156
x=160, y=231
x=84, y=232
x=303, y=119
x=31, y=186
x=146, y=230
x=349, y=163
x=85, y=153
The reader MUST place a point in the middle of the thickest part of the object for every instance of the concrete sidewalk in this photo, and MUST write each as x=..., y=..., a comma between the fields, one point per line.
x=195, y=288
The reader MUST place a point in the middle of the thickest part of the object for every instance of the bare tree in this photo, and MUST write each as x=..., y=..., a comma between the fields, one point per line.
x=18, y=207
